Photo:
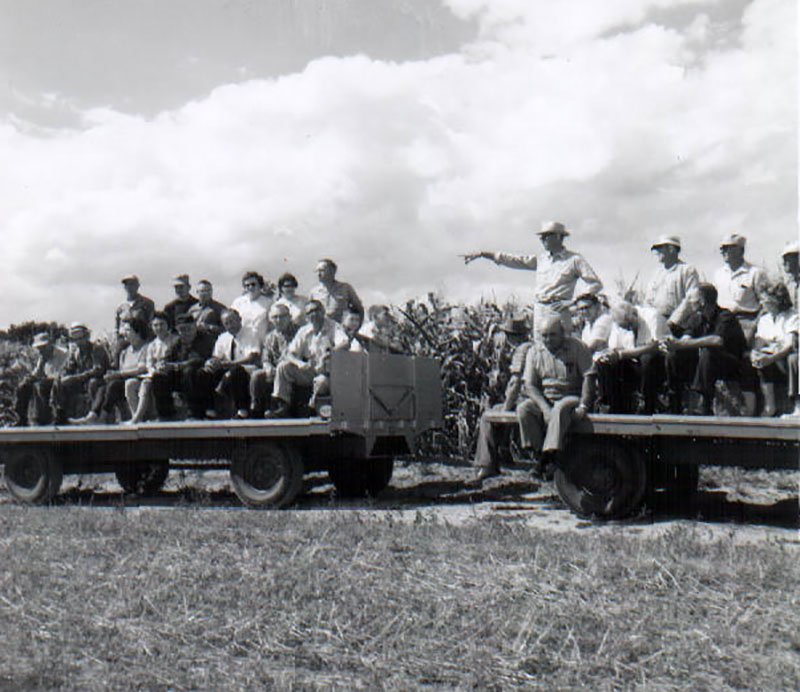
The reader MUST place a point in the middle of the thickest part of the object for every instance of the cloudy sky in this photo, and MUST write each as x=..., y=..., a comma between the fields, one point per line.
x=214, y=136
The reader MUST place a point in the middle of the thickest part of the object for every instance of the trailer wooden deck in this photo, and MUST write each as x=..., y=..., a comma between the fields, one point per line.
x=779, y=429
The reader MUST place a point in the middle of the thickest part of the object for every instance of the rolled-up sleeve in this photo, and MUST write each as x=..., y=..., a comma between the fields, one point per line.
x=507, y=259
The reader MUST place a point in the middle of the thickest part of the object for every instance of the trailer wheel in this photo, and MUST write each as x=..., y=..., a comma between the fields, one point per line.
x=601, y=478
x=142, y=477
x=267, y=475
x=33, y=476
x=360, y=477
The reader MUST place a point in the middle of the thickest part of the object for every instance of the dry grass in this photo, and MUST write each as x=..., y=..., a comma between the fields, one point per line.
x=201, y=598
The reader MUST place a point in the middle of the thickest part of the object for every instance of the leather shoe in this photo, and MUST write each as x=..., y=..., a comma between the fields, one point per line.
x=281, y=411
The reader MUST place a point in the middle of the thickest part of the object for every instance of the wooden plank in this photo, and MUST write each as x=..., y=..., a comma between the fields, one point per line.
x=285, y=427
x=782, y=429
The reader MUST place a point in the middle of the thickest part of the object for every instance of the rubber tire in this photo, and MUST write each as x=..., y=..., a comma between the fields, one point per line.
x=33, y=476
x=361, y=477
x=601, y=478
x=267, y=475
x=142, y=477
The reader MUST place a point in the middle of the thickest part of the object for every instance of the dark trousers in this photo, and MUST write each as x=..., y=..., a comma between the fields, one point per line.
x=700, y=369
x=63, y=396
x=626, y=383
x=107, y=396
x=189, y=382
x=233, y=384
x=260, y=392
x=36, y=390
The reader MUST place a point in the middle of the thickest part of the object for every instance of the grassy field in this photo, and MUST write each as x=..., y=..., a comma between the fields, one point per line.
x=195, y=597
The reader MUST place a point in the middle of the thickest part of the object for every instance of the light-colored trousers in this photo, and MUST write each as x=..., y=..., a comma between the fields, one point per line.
x=289, y=374
x=538, y=436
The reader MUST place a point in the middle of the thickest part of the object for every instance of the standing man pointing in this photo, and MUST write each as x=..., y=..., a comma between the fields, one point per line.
x=557, y=273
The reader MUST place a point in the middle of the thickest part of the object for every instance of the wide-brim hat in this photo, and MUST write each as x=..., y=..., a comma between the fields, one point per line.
x=129, y=277
x=662, y=240
x=556, y=227
x=516, y=325
x=77, y=327
x=791, y=248
x=41, y=339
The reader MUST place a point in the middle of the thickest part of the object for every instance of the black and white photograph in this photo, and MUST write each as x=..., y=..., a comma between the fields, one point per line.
x=399, y=345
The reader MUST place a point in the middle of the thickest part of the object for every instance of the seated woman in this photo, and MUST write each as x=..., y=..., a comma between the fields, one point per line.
x=130, y=365
x=774, y=354
x=139, y=390
x=287, y=295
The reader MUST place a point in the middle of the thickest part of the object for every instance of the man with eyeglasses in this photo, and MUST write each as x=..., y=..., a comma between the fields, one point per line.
x=307, y=360
x=557, y=273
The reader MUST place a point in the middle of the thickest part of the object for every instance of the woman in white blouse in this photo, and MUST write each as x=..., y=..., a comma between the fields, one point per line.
x=253, y=307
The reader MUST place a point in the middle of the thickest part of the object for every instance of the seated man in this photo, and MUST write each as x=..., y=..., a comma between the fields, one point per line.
x=556, y=390
x=307, y=360
x=131, y=363
x=774, y=354
x=596, y=322
x=180, y=373
x=236, y=356
x=36, y=386
x=711, y=349
x=629, y=370
x=275, y=346
x=486, y=451
x=351, y=323
x=83, y=372
x=506, y=339
x=139, y=391
x=380, y=331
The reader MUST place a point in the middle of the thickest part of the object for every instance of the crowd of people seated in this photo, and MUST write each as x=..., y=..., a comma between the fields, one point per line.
x=258, y=356
x=201, y=359
x=668, y=354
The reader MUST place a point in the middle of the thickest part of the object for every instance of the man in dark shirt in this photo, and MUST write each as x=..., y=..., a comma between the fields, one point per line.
x=711, y=348
x=135, y=306
x=83, y=372
x=207, y=312
x=183, y=362
x=183, y=299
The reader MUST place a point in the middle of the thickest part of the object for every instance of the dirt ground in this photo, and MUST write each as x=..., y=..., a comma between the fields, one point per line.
x=743, y=506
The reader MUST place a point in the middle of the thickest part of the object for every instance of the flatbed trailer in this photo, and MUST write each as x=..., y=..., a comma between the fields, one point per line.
x=379, y=404
x=611, y=462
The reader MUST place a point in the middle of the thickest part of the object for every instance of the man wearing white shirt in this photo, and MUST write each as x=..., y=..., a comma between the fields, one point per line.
x=235, y=357
x=667, y=290
x=630, y=369
x=740, y=285
x=557, y=273
x=596, y=322
x=307, y=361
